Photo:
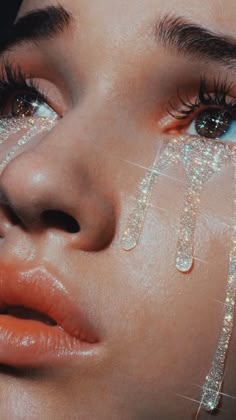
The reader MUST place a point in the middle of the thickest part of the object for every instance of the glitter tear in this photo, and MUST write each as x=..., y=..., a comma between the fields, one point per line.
x=10, y=126
x=136, y=219
x=135, y=223
x=211, y=394
x=201, y=159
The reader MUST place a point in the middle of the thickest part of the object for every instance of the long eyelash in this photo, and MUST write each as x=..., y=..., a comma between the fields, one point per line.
x=14, y=80
x=217, y=97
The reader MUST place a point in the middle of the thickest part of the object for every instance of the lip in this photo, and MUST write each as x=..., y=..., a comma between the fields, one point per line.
x=27, y=342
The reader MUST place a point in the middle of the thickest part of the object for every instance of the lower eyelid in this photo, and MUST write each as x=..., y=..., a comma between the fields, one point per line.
x=168, y=122
x=171, y=125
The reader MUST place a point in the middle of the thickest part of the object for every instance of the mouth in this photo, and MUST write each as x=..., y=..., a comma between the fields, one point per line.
x=40, y=323
x=27, y=313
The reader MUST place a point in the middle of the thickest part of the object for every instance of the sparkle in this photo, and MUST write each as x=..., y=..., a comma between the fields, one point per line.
x=11, y=126
x=212, y=388
x=135, y=223
x=148, y=169
x=195, y=401
x=134, y=226
x=159, y=208
x=200, y=260
x=187, y=398
x=136, y=164
x=152, y=205
x=221, y=393
x=229, y=396
x=200, y=402
x=202, y=159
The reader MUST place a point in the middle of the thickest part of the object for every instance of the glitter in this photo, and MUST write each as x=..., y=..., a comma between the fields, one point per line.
x=212, y=388
x=10, y=126
x=201, y=159
x=136, y=219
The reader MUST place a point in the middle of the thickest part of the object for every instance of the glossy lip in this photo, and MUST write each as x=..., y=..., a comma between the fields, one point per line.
x=25, y=342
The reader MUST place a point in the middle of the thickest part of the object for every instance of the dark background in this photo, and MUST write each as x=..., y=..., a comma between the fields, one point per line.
x=8, y=13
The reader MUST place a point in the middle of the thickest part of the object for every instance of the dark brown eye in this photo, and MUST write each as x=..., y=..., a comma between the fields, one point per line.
x=23, y=105
x=213, y=123
x=28, y=105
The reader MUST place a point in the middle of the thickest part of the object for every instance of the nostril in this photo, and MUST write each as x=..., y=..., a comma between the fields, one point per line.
x=60, y=220
x=9, y=212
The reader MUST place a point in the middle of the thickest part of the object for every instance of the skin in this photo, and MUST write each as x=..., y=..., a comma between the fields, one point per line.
x=158, y=328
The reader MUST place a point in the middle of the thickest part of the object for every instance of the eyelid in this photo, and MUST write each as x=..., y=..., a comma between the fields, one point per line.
x=170, y=123
x=53, y=96
x=18, y=78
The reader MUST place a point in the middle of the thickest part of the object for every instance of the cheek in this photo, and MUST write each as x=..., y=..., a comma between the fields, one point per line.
x=169, y=322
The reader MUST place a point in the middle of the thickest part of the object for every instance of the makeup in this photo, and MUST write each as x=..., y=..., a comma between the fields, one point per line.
x=28, y=125
x=211, y=394
x=201, y=158
x=40, y=321
x=136, y=219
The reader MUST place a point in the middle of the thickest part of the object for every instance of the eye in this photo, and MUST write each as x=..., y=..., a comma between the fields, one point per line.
x=210, y=114
x=215, y=124
x=27, y=105
x=23, y=95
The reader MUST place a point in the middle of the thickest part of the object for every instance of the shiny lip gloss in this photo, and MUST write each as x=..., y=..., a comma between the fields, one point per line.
x=31, y=342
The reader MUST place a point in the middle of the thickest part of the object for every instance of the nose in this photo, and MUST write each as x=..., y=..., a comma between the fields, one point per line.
x=53, y=186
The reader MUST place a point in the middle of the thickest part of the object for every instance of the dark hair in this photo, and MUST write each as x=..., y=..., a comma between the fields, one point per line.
x=8, y=14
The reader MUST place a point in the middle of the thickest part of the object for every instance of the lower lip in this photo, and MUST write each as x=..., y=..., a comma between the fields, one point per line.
x=28, y=343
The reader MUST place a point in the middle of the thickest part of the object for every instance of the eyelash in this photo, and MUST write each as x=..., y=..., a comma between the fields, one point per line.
x=13, y=80
x=217, y=98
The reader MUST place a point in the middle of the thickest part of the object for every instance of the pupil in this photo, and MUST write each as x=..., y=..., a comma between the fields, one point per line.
x=213, y=123
x=24, y=106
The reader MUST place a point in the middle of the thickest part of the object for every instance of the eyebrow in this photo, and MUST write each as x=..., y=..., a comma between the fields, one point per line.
x=194, y=40
x=185, y=37
x=37, y=25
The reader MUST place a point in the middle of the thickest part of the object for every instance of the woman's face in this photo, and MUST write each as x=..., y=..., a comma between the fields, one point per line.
x=110, y=75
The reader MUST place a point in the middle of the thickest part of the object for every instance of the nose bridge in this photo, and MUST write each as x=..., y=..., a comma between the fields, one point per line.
x=52, y=186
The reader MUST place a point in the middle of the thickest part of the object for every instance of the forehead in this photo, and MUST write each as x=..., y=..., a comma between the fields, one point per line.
x=218, y=15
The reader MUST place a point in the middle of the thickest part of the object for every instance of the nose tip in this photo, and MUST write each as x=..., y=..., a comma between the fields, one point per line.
x=47, y=194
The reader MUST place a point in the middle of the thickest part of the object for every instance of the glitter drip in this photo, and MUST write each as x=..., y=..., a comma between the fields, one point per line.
x=211, y=394
x=11, y=126
x=184, y=257
x=136, y=219
x=201, y=158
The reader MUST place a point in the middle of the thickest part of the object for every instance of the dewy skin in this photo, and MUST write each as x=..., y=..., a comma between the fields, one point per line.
x=201, y=159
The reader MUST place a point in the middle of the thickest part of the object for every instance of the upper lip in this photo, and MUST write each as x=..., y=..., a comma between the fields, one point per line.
x=40, y=290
